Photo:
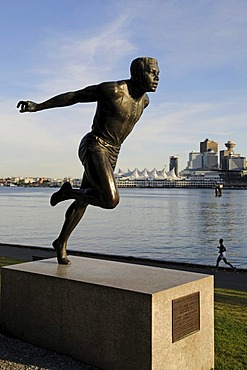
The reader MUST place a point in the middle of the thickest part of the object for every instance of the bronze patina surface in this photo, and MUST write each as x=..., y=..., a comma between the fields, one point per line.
x=120, y=105
x=185, y=316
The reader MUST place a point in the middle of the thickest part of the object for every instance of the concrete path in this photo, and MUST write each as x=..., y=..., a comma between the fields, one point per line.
x=224, y=277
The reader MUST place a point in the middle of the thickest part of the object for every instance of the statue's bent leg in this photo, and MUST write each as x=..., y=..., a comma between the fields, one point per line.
x=103, y=181
x=99, y=190
x=72, y=217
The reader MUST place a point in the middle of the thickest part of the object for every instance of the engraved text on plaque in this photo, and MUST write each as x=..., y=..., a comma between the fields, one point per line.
x=185, y=316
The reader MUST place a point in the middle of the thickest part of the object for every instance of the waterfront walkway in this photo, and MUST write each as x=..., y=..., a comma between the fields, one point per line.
x=224, y=277
x=18, y=355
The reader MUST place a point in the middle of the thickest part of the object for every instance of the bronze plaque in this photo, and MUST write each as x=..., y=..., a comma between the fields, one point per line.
x=185, y=316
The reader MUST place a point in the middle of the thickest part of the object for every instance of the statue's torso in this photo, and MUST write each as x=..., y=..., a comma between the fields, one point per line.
x=117, y=112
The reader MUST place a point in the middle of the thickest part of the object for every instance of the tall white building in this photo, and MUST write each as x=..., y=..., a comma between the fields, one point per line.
x=195, y=161
x=236, y=162
x=210, y=160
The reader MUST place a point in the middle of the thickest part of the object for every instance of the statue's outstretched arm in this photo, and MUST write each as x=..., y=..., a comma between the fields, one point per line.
x=63, y=100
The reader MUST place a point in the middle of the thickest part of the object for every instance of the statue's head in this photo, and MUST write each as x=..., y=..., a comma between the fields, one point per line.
x=145, y=72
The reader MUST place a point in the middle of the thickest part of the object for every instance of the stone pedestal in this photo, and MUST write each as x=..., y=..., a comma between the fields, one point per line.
x=115, y=316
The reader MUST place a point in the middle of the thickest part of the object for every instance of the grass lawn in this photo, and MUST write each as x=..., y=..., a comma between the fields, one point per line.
x=230, y=326
x=230, y=330
x=4, y=261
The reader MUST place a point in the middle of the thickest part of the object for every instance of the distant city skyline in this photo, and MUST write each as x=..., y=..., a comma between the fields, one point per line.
x=51, y=47
x=173, y=161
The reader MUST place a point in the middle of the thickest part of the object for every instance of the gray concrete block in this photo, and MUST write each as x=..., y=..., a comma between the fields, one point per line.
x=116, y=316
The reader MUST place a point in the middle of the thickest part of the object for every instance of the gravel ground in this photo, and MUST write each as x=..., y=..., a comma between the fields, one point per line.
x=18, y=355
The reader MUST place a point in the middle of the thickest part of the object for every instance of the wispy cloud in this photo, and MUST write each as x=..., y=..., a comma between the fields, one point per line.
x=76, y=61
x=195, y=35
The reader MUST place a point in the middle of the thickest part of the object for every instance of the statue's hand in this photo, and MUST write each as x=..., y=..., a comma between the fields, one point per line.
x=27, y=106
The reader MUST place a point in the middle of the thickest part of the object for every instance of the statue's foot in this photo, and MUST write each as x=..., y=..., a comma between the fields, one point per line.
x=59, y=195
x=62, y=258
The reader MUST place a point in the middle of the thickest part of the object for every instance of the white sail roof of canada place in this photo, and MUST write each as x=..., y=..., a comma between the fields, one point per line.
x=136, y=174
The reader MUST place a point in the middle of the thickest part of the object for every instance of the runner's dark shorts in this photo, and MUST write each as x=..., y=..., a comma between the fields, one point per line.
x=91, y=143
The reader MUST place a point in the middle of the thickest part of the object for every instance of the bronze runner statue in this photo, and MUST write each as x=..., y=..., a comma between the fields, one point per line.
x=120, y=105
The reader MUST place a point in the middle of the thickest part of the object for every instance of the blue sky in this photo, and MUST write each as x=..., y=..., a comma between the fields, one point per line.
x=53, y=46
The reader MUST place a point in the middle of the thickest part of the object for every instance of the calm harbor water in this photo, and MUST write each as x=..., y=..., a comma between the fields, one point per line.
x=166, y=224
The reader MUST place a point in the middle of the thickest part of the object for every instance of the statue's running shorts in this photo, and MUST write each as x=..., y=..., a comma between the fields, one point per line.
x=91, y=143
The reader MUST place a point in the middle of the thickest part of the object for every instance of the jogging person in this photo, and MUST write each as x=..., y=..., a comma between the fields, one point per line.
x=222, y=255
